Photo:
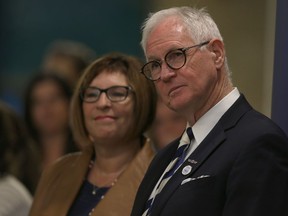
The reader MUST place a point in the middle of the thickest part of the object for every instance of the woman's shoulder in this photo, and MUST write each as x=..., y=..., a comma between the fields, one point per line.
x=147, y=151
x=63, y=169
x=68, y=158
x=66, y=162
x=15, y=198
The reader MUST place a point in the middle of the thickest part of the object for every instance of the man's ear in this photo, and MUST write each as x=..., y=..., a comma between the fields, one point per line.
x=218, y=50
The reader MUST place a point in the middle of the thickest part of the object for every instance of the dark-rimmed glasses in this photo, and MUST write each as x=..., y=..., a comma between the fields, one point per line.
x=114, y=93
x=175, y=59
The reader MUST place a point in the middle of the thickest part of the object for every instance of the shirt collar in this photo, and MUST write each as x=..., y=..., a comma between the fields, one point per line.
x=206, y=123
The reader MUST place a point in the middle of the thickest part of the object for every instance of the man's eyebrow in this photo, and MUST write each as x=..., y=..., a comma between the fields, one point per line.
x=153, y=58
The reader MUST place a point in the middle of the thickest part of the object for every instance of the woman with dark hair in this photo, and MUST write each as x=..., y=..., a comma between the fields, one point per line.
x=17, y=173
x=47, y=103
x=112, y=107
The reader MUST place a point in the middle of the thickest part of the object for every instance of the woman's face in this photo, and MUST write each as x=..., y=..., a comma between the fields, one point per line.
x=50, y=108
x=103, y=118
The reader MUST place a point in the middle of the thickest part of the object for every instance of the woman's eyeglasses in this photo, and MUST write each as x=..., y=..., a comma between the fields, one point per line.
x=114, y=93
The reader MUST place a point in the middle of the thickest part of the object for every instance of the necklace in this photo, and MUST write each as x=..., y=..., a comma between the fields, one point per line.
x=95, y=188
x=94, y=192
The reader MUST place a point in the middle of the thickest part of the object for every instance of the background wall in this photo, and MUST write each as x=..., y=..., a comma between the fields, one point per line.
x=27, y=27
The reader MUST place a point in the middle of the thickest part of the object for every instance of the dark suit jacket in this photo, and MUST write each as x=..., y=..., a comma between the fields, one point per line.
x=245, y=163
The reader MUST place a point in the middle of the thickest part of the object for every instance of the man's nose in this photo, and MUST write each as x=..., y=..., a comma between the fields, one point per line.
x=166, y=73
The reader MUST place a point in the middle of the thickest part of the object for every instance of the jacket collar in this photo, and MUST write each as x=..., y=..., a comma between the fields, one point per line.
x=76, y=173
x=198, y=157
x=120, y=198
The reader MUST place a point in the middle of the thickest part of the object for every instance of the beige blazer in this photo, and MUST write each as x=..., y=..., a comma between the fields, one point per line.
x=60, y=184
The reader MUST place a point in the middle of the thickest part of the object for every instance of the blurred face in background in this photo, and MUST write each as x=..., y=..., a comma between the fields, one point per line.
x=50, y=108
x=105, y=119
x=64, y=66
x=168, y=125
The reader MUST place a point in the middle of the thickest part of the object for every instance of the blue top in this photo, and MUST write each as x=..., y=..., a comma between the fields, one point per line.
x=86, y=200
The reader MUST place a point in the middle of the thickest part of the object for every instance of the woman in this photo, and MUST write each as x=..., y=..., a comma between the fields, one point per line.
x=47, y=103
x=67, y=59
x=16, y=154
x=113, y=105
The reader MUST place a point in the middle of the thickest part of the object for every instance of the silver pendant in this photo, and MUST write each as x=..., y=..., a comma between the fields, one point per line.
x=94, y=191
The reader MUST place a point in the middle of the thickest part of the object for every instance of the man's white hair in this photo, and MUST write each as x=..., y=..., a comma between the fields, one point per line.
x=198, y=22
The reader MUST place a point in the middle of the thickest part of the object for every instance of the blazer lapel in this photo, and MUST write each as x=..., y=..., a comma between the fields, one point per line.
x=203, y=151
x=119, y=199
x=70, y=186
x=198, y=157
x=157, y=167
x=60, y=184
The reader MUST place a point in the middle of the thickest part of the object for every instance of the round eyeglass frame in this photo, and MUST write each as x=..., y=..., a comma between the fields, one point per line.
x=183, y=50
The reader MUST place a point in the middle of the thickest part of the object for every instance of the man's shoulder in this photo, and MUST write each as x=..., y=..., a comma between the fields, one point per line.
x=260, y=124
x=244, y=117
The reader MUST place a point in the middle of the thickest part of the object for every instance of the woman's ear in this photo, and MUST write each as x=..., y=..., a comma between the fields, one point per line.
x=217, y=47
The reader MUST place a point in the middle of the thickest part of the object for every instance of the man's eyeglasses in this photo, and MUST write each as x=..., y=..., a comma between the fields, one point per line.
x=175, y=59
x=114, y=93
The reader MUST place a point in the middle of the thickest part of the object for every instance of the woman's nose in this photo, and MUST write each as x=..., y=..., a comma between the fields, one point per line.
x=103, y=100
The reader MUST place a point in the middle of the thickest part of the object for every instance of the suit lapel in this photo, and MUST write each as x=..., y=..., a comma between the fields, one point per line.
x=203, y=151
x=195, y=160
x=157, y=167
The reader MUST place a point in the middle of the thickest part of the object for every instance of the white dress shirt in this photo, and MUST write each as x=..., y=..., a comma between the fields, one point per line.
x=205, y=124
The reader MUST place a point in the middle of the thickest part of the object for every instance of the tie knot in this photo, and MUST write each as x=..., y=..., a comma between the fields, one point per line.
x=190, y=133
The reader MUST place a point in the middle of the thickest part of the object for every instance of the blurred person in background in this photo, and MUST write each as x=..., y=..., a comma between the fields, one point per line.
x=68, y=59
x=16, y=164
x=167, y=126
x=47, y=104
x=112, y=107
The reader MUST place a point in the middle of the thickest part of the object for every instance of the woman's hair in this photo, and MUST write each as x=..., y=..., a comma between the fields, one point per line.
x=41, y=77
x=18, y=153
x=145, y=96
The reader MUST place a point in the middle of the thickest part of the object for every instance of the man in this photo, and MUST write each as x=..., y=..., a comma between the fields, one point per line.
x=233, y=161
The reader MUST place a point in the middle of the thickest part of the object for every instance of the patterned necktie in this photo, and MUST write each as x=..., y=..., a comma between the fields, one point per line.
x=175, y=163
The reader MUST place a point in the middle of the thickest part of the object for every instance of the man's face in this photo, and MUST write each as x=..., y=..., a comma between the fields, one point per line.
x=187, y=89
